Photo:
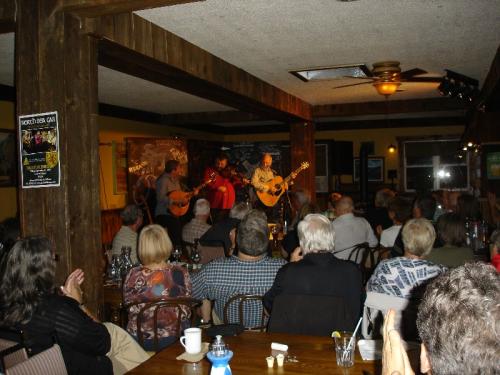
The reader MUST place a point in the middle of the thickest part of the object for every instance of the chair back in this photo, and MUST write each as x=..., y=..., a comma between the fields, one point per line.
x=11, y=353
x=311, y=315
x=376, y=307
x=209, y=253
x=240, y=300
x=185, y=308
x=49, y=361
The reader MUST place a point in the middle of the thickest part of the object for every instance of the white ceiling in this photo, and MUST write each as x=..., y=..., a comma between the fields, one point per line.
x=269, y=38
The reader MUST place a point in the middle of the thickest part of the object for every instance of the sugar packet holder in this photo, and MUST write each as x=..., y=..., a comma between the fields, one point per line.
x=278, y=346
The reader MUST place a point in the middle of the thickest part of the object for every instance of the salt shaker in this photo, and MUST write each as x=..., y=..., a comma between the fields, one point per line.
x=219, y=356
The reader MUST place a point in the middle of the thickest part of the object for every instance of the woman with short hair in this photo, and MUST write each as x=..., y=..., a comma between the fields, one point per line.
x=31, y=302
x=451, y=232
x=403, y=276
x=153, y=280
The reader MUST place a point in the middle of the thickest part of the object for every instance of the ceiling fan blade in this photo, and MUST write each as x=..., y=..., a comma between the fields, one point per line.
x=352, y=84
x=412, y=72
x=425, y=79
x=372, y=78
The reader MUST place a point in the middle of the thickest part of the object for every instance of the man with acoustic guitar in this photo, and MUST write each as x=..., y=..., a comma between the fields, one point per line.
x=261, y=178
x=167, y=183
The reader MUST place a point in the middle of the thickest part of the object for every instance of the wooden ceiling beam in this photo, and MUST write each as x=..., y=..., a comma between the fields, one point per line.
x=97, y=8
x=393, y=106
x=490, y=92
x=133, y=45
x=393, y=123
x=217, y=117
x=7, y=16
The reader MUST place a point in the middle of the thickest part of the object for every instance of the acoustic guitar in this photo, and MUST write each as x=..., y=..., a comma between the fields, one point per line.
x=270, y=199
x=179, y=200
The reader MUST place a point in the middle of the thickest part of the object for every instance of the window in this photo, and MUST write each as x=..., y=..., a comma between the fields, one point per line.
x=434, y=164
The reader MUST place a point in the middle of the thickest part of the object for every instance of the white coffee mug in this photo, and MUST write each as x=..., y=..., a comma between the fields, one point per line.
x=191, y=340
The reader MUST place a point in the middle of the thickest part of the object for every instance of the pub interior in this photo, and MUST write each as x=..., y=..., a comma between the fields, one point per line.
x=381, y=116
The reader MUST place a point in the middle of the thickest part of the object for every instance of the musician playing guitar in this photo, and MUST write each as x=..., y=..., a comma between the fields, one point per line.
x=168, y=182
x=220, y=194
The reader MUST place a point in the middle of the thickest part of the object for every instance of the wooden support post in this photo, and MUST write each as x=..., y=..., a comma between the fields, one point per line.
x=56, y=70
x=302, y=149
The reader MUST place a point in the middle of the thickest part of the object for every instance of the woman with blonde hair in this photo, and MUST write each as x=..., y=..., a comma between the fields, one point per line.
x=405, y=275
x=153, y=280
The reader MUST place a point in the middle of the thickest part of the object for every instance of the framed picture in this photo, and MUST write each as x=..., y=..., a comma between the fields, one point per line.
x=8, y=155
x=375, y=169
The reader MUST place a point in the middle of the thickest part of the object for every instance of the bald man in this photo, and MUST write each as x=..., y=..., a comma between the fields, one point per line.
x=350, y=230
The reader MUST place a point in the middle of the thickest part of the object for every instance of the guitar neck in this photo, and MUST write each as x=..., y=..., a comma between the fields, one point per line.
x=289, y=177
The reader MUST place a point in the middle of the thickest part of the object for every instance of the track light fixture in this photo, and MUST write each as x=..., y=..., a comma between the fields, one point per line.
x=460, y=86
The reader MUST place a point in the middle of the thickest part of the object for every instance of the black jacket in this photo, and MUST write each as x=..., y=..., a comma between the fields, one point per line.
x=318, y=294
x=84, y=343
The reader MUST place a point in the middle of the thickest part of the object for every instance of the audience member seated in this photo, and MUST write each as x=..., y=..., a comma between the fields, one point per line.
x=399, y=212
x=494, y=209
x=220, y=232
x=405, y=276
x=291, y=240
x=494, y=249
x=198, y=225
x=378, y=216
x=468, y=207
x=127, y=235
x=457, y=323
x=451, y=232
x=332, y=201
x=350, y=230
x=153, y=280
x=318, y=293
x=249, y=272
x=10, y=232
x=31, y=302
x=424, y=206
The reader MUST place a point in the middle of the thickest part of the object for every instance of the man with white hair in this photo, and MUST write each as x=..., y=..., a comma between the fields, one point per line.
x=318, y=292
x=350, y=230
x=198, y=224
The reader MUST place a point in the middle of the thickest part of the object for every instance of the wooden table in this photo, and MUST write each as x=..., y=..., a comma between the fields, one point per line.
x=315, y=355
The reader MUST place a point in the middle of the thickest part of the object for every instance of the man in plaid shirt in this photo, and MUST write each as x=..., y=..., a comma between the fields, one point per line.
x=249, y=272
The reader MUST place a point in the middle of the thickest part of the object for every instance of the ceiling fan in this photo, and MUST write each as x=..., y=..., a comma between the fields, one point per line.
x=387, y=76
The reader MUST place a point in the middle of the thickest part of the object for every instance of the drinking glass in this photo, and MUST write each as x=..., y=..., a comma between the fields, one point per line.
x=343, y=351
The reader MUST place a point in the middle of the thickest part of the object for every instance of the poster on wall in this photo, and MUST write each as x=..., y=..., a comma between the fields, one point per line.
x=39, y=150
x=146, y=161
x=493, y=165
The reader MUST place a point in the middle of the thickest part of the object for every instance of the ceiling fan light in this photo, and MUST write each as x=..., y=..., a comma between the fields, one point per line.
x=386, y=88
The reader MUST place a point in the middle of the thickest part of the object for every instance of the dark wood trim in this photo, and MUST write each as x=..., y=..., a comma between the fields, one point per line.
x=393, y=106
x=393, y=123
x=490, y=92
x=7, y=93
x=210, y=117
x=132, y=45
x=7, y=16
x=129, y=113
x=97, y=8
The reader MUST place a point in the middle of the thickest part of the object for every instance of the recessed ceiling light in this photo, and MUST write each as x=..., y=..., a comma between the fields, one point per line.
x=332, y=72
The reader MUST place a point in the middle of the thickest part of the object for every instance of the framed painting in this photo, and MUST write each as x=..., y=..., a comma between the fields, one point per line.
x=8, y=158
x=375, y=169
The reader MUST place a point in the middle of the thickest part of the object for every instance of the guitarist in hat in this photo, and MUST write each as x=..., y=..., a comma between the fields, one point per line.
x=168, y=182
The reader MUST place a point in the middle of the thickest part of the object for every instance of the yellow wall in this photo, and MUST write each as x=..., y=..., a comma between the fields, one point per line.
x=8, y=195
x=113, y=129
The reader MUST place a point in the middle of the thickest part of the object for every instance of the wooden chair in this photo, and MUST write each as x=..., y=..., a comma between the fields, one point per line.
x=240, y=300
x=188, y=303
x=49, y=361
x=12, y=349
x=209, y=253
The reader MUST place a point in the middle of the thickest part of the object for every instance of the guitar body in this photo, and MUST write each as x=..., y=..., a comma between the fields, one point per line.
x=179, y=202
x=269, y=199
x=280, y=184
